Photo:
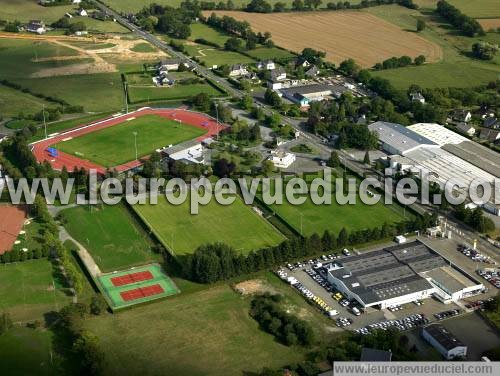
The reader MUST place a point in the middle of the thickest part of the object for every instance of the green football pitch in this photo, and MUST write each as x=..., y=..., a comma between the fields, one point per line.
x=129, y=287
x=115, y=145
x=182, y=232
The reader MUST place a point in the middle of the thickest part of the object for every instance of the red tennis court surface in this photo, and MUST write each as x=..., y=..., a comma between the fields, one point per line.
x=141, y=292
x=195, y=119
x=12, y=219
x=131, y=278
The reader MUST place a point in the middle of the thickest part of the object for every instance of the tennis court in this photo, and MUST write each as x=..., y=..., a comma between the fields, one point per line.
x=137, y=285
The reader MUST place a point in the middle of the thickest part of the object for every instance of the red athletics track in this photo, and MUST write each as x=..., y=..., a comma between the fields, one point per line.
x=141, y=292
x=131, y=278
x=195, y=119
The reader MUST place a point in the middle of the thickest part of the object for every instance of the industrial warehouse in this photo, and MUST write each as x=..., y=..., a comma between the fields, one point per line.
x=400, y=274
x=441, y=153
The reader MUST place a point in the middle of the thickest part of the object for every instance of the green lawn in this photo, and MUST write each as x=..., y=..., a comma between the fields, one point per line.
x=26, y=352
x=318, y=218
x=211, y=56
x=143, y=47
x=182, y=232
x=61, y=126
x=114, y=146
x=200, y=30
x=207, y=333
x=454, y=70
x=13, y=102
x=30, y=289
x=26, y=10
x=98, y=26
x=262, y=53
x=111, y=235
x=138, y=94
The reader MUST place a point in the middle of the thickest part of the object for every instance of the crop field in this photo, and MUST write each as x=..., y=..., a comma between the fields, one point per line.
x=490, y=23
x=455, y=69
x=236, y=225
x=313, y=218
x=114, y=145
x=478, y=8
x=138, y=94
x=31, y=288
x=204, y=333
x=111, y=235
x=341, y=35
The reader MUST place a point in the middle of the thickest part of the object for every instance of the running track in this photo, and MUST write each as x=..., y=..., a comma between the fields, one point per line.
x=195, y=119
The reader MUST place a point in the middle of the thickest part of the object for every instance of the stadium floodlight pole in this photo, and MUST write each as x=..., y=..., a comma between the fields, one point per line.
x=135, y=143
x=126, y=99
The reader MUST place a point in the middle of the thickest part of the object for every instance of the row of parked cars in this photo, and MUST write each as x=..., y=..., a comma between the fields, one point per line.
x=445, y=314
x=307, y=293
x=492, y=276
x=478, y=304
x=342, y=322
x=318, y=261
x=474, y=255
x=406, y=323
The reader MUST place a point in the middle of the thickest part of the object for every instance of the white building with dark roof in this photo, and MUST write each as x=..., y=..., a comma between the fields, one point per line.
x=442, y=340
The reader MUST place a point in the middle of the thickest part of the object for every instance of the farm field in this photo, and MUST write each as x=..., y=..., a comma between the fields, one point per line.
x=99, y=26
x=236, y=225
x=454, y=70
x=114, y=145
x=139, y=94
x=13, y=102
x=262, y=53
x=200, y=30
x=30, y=289
x=27, y=351
x=111, y=236
x=318, y=218
x=207, y=333
x=342, y=35
x=478, y=8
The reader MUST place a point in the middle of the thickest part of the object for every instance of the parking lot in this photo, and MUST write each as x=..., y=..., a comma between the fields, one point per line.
x=311, y=278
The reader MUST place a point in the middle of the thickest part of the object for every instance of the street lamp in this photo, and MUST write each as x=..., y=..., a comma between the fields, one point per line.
x=135, y=143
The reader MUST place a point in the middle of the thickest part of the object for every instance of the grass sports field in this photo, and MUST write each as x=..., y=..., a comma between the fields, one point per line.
x=342, y=35
x=318, y=218
x=143, y=284
x=30, y=289
x=204, y=333
x=110, y=234
x=182, y=232
x=115, y=145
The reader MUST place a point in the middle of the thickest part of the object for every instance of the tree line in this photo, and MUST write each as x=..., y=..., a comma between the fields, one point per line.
x=263, y=6
x=399, y=62
x=466, y=24
x=210, y=263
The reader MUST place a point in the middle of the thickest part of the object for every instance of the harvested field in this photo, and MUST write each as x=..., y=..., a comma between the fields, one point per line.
x=489, y=23
x=350, y=34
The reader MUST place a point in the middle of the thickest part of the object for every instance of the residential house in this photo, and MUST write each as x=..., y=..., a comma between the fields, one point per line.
x=417, y=97
x=69, y=15
x=165, y=79
x=444, y=342
x=266, y=64
x=490, y=135
x=3, y=137
x=312, y=71
x=79, y=33
x=238, y=70
x=301, y=62
x=278, y=74
x=281, y=159
x=361, y=120
x=461, y=115
x=82, y=12
x=169, y=64
x=466, y=129
x=485, y=112
x=491, y=122
x=76, y=1
x=36, y=26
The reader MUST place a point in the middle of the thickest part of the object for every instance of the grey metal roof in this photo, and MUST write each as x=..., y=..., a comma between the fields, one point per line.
x=375, y=355
x=398, y=136
x=314, y=88
x=387, y=273
x=478, y=155
x=443, y=336
x=179, y=147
